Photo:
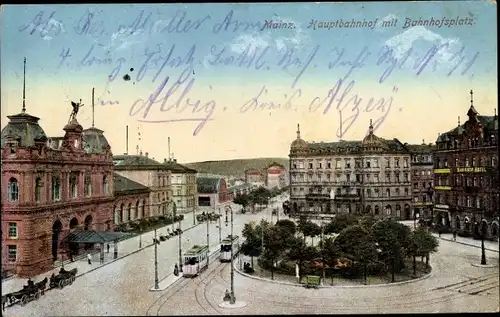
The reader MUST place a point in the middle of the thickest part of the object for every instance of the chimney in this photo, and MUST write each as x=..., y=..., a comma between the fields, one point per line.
x=140, y=153
x=175, y=160
x=147, y=154
x=164, y=161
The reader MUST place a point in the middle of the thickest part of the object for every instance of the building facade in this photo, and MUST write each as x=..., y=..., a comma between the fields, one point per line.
x=184, y=189
x=149, y=173
x=369, y=176
x=50, y=190
x=276, y=176
x=422, y=171
x=466, y=176
x=256, y=177
x=131, y=200
x=212, y=191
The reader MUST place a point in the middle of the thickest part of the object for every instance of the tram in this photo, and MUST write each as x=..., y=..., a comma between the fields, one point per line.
x=225, y=248
x=195, y=261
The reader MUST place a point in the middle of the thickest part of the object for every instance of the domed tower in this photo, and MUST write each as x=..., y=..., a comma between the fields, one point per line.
x=371, y=142
x=298, y=146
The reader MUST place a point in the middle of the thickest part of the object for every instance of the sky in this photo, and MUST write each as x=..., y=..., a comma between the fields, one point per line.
x=226, y=81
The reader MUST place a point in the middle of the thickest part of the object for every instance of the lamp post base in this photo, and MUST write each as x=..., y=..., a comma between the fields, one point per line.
x=228, y=305
x=484, y=265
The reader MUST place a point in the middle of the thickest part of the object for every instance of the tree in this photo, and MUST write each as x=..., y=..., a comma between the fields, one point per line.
x=252, y=245
x=275, y=243
x=287, y=225
x=367, y=221
x=340, y=222
x=300, y=252
x=330, y=252
x=393, y=239
x=356, y=243
x=309, y=229
x=242, y=200
x=423, y=244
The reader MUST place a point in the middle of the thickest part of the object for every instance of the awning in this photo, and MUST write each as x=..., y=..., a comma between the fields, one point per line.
x=97, y=237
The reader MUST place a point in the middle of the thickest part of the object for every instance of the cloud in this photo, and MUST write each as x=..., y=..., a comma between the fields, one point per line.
x=125, y=38
x=255, y=40
x=297, y=40
x=420, y=39
x=53, y=27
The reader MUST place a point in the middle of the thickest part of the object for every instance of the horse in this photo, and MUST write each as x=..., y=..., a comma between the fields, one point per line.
x=5, y=300
x=42, y=285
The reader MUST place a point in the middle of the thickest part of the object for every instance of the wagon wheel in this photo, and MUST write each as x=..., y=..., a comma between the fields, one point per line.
x=38, y=294
x=74, y=278
x=70, y=280
x=24, y=300
x=61, y=284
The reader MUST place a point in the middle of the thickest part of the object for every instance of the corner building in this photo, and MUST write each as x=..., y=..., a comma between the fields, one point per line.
x=466, y=176
x=50, y=189
x=368, y=176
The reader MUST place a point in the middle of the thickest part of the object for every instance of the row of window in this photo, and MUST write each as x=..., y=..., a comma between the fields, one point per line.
x=422, y=173
x=418, y=185
x=464, y=201
x=368, y=178
x=468, y=143
x=468, y=162
x=460, y=180
x=347, y=208
x=376, y=192
x=422, y=159
x=163, y=181
x=13, y=188
x=423, y=198
x=337, y=163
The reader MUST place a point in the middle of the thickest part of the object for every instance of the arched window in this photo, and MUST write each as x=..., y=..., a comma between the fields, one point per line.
x=137, y=210
x=56, y=188
x=129, y=211
x=105, y=184
x=398, y=211
x=88, y=186
x=143, y=215
x=38, y=189
x=388, y=192
x=13, y=190
x=377, y=209
x=73, y=186
x=388, y=210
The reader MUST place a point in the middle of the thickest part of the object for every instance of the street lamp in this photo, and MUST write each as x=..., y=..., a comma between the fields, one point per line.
x=208, y=237
x=180, y=238
x=156, y=242
x=481, y=233
x=140, y=237
x=233, y=298
x=220, y=227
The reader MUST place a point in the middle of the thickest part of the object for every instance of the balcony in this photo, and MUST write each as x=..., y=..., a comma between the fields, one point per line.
x=316, y=196
x=347, y=197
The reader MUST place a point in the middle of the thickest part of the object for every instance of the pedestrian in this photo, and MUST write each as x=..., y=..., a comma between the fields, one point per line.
x=454, y=234
x=89, y=258
x=108, y=247
x=71, y=257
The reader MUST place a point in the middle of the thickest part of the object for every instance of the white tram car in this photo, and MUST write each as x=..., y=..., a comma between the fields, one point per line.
x=195, y=261
x=225, y=248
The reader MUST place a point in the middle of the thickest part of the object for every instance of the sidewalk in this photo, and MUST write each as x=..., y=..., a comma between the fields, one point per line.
x=125, y=248
x=488, y=245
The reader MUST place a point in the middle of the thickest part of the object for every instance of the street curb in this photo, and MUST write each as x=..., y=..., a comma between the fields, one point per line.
x=126, y=255
x=470, y=245
x=337, y=286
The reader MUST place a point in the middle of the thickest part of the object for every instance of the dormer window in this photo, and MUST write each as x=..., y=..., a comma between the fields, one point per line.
x=12, y=148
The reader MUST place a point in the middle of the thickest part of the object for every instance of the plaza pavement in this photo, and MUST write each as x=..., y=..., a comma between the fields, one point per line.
x=122, y=287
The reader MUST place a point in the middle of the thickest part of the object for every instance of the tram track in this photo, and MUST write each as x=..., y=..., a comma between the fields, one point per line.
x=198, y=281
x=425, y=297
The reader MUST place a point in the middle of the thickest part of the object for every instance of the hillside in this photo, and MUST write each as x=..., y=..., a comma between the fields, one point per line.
x=235, y=168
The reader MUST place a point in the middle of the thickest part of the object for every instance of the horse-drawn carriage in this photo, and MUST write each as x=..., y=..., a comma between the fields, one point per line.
x=31, y=291
x=209, y=216
x=63, y=278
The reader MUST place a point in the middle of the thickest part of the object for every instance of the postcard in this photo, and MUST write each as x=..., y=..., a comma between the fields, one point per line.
x=249, y=158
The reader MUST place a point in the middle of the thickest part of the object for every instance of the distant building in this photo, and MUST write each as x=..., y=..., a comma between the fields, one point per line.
x=152, y=174
x=184, y=190
x=466, y=176
x=212, y=191
x=422, y=170
x=276, y=176
x=256, y=177
x=241, y=189
x=51, y=189
x=368, y=176
x=131, y=200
